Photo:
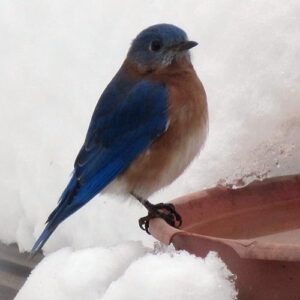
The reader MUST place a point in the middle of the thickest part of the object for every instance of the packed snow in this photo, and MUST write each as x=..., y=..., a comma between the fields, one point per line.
x=128, y=271
x=56, y=58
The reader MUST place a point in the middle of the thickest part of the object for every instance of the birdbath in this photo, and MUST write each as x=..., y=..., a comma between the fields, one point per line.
x=254, y=229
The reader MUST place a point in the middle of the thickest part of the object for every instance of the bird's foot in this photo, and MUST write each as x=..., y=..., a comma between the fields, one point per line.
x=165, y=211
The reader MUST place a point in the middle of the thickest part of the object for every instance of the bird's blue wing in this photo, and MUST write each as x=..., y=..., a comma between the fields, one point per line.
x=116, y=137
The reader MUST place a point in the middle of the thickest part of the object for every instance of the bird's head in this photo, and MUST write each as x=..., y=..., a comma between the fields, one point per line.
x=159, y=45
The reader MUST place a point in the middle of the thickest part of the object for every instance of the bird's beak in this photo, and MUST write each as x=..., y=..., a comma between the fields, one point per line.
x=183, y=46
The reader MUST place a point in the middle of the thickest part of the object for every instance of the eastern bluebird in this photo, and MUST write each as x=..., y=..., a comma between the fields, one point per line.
x=148, y=125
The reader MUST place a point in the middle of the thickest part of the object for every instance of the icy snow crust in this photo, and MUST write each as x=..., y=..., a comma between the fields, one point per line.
x=56, y=59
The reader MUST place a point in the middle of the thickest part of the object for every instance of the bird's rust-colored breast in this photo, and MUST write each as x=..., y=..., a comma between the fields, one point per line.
x=172, y=152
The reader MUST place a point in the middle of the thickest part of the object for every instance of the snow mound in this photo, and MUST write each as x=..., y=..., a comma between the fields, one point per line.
x=175, y=276
x=56, y=59
x=59, y=55
x=128, y=271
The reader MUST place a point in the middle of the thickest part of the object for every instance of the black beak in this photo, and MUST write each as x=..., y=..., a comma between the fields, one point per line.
x=183, y=46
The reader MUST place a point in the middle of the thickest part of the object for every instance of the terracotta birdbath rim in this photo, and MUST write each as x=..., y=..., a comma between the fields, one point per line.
x=260, y=197
x=166, y=234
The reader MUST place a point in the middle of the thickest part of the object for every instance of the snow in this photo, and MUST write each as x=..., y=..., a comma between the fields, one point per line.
x=56, y=58
x=178, y=276
x=128, y=271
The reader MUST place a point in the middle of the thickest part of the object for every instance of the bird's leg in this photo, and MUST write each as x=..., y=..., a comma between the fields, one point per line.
x=165, y=211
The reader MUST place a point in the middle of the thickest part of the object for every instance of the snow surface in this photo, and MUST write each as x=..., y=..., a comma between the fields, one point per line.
x=58, y=55
x=128, y=271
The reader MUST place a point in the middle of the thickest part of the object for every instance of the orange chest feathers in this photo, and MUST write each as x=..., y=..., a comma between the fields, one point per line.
x=173, y=151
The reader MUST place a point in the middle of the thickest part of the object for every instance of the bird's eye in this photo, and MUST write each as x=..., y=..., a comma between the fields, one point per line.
x=155, y=45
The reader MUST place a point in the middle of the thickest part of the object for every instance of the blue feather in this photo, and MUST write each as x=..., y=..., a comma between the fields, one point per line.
x=128, y=118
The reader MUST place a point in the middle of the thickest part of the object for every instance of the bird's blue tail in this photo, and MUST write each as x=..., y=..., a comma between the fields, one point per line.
x=75, y=196
x=57, y=216
x=42, y=240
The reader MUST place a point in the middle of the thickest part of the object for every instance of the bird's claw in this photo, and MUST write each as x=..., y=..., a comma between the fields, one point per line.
x=144, y=223
x=165, y=211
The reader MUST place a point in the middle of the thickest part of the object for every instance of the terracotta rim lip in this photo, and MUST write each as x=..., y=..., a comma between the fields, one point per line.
x=244, y=248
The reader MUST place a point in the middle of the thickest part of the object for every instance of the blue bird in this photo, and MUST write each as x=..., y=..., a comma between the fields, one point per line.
x=149, y=124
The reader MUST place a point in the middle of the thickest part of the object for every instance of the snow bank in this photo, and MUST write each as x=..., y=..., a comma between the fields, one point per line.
x=174, y=276
x=128, y=271
x=58, y=55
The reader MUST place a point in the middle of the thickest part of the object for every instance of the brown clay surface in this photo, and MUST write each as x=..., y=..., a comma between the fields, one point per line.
x=255, y=230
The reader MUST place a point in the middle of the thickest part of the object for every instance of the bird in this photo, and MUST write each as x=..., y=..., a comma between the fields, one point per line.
x=150, y=122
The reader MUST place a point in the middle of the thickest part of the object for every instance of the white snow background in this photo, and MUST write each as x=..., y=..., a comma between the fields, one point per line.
x=57, y=57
